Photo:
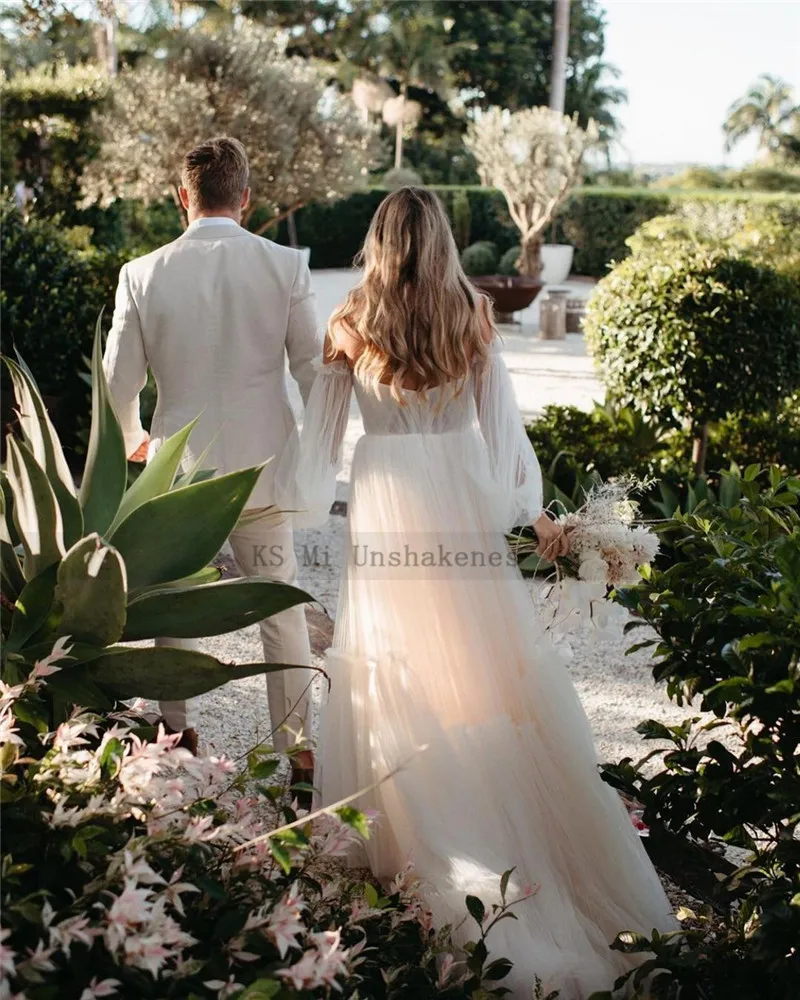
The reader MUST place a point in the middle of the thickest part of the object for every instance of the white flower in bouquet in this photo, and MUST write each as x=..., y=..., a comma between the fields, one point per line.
x=607, y=547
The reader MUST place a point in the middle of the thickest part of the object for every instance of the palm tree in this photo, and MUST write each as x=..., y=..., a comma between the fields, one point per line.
x=767, y=109
x=415, y=52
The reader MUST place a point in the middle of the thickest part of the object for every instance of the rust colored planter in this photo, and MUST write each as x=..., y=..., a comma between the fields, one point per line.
x=509, y=295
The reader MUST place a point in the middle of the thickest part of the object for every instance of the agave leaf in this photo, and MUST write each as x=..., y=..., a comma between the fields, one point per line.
x=92, y=592
x=7, y=500
x=106, y=472
x=69, y=688
x=13, y=579
x=209, y=574
x=209, y=610
x=165, y=673
x=157, y=477
x=37, y=515
x=41, y=438
x=179, y=533
x=32, y=610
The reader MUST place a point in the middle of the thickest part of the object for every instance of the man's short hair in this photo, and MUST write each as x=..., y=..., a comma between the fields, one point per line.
x=215, y=173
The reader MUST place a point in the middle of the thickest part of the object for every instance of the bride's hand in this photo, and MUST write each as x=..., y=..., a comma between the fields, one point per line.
x=553, y=540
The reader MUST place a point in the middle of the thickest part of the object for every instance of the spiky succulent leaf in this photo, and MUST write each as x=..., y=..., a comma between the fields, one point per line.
x=106, y=472
x=37, y=516
x=91, y=591
x=209, y=610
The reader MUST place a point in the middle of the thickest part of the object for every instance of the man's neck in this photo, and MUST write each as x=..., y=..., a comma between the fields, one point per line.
x=220, y=214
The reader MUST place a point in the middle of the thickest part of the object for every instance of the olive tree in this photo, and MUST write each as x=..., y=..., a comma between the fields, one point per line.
x=306, y=142
x=534, y=157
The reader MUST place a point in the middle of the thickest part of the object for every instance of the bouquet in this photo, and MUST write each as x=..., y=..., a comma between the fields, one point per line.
x=607, y=547
x=606, y=544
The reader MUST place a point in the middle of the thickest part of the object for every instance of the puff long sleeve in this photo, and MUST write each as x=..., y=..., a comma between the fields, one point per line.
x=513, y=463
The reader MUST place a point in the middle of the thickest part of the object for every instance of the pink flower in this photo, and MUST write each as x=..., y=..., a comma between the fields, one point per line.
x=320, y=965
x=100, y=988
x=285, y=924
x=7, y=955
x=224, y=989
x=39, y=959
x=8, y=728
x=446, y=970
x=74, y=930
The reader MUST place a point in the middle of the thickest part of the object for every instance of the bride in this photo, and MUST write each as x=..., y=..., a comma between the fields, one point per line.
x=439, y=662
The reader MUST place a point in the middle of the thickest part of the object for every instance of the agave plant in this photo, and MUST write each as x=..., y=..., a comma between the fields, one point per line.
x=109, y=564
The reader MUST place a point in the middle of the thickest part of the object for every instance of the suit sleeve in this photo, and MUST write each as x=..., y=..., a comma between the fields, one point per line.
x=125, y=363
x=303, y=343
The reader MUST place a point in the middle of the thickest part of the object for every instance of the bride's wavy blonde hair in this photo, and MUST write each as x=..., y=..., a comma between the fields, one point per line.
x=416, y=319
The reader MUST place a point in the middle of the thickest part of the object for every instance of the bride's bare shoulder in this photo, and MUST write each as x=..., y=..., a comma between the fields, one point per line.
x=341, y=343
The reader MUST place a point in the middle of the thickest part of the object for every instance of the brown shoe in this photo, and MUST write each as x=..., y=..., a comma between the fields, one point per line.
x=188, y=740
x=303, y=774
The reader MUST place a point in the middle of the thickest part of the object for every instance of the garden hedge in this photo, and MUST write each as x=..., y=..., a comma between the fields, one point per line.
x=596, y=221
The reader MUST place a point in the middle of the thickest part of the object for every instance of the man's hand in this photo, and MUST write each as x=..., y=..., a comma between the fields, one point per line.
x=553, y=540
x=140, y=455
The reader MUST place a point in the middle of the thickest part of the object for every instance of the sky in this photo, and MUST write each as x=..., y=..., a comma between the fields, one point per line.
x=683, y=64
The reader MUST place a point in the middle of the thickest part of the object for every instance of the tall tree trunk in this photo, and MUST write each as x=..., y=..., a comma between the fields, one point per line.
x=291, y=227
x=530, y=258
x=700, y=449
x=112, y=53
x=558, y=79
x=398, y=142
x=181, y=212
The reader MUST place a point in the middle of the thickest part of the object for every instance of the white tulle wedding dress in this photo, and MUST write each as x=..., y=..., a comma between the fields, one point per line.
x=438, y=646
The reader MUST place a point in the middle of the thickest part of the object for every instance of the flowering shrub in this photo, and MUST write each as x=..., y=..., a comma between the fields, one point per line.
x=727, y=618
x=133, y=869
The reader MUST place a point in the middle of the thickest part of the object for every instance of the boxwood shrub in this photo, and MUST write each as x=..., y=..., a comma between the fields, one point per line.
x=51, y=296
x=596, y=221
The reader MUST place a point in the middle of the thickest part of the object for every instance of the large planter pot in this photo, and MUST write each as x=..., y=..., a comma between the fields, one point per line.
x=509, y=295
x=556, y=263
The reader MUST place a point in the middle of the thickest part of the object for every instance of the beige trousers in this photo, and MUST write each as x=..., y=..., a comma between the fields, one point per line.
x=263, y=546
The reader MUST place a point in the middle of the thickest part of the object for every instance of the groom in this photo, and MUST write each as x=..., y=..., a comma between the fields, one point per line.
x=214, y=315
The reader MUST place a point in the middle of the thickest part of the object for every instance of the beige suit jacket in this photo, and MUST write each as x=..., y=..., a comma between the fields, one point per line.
x=215, y=315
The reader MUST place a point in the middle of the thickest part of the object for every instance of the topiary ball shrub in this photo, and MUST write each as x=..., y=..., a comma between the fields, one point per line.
x=508, y=262
x=690, y=334
x=480, y=258
x=400, y=177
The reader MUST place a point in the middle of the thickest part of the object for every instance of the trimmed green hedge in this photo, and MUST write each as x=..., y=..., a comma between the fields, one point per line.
x=596, y=221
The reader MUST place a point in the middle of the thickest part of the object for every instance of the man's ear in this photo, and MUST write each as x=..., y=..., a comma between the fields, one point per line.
x=245, y=198
x=183, y=194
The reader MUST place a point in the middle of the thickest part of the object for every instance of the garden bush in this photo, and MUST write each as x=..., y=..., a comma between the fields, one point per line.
x=689, y=334
x=51, y=296
x=727, y=618
x=133, y=869
x=596, y=221
x=508, y=262
x=480, y=258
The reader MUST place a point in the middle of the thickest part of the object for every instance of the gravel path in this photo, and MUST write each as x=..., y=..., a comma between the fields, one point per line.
x=617, y=691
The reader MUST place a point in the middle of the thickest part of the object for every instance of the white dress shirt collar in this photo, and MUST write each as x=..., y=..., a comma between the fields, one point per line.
x=211, y=220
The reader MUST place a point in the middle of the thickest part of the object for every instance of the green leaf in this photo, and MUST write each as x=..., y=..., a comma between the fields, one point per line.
x=261, y=989
x=476, y=909
x=92, y=593
x=504, y=883
x=106, y=471
x=165, y=673
x=281, y=855
x=787, y=556
x=354, y=818
x=32, y=610
x=157, y=477
x=45, y=446
x=37, y=515
x=212, y=609
x=175, y=535
x=371, y=895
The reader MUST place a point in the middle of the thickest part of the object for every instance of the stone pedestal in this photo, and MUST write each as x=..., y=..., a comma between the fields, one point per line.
x=553, y=315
